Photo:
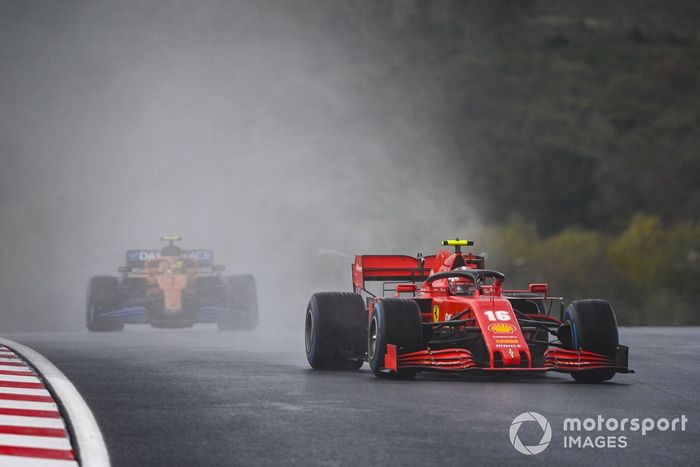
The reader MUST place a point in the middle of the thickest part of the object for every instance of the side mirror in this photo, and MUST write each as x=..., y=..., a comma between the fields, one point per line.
x=405, y=288
x=539, y=288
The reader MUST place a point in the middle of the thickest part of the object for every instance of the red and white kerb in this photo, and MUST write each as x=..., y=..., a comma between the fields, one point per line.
x=32, y=431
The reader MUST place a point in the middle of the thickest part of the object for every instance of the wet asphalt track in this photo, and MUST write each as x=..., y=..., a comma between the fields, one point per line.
x=203, y=397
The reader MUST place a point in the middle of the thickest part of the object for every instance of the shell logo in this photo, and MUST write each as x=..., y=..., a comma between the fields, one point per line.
x=502, y=328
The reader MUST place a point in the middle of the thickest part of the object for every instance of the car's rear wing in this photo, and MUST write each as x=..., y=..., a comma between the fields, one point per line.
x=137, y=258
x=390, y=268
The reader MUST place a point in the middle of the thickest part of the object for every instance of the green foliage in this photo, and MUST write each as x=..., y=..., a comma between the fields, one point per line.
x=634, y=253
x=510, y=246
x=575, y=258
x=648, y=272
x=568, y=114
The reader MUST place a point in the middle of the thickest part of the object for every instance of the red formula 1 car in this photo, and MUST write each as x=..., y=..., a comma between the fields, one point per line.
x=459, y=319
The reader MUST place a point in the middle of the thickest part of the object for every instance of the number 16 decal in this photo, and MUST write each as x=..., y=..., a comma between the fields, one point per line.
x=500, y=315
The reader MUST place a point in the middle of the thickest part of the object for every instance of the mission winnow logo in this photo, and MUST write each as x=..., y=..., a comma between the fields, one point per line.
x=597, y=432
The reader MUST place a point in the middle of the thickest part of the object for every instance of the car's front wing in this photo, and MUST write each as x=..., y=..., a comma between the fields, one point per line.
x=458, y=360
x=141, y=315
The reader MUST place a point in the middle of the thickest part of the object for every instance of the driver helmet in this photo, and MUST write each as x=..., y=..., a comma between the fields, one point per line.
x=461, y=285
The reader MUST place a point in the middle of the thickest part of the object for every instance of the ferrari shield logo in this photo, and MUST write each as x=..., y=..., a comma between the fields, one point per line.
x=436, y=313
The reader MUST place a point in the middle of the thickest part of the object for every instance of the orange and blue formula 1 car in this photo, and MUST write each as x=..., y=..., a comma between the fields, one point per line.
x=171, y=288
x=458, y=319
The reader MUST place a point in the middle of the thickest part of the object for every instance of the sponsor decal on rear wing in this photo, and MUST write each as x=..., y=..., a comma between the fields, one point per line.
x=137, y=258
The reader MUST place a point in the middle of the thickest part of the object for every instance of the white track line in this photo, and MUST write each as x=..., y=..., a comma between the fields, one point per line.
x=91, y=449
x=25, y=391
x=28, y=405
x=36, y=422
x=43, y=442
x=20, y=379
x=23, y=369
x=13, y=461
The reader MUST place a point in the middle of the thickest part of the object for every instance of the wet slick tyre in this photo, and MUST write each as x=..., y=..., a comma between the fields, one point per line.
x=393, y=321
x=103, y=295
x=335, y=330
x=593, y=328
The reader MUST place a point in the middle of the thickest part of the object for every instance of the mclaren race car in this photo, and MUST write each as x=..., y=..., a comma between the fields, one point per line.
x=171, y=288
x=448, y=313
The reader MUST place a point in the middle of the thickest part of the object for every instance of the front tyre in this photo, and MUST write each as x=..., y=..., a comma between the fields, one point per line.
x=334, y=330
x=593, y=328
x=103, y=295
x=394, y=321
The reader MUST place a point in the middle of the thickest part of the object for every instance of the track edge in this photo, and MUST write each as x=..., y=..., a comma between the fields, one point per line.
x=90, y=446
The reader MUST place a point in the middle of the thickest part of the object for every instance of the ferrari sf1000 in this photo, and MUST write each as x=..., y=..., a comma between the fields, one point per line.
x=448, y=313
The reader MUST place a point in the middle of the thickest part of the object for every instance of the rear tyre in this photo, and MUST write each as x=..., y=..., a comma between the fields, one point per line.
x=394, y=321
x=103, y=295
x=593, y=328
x=335, y=329
x=241, y=295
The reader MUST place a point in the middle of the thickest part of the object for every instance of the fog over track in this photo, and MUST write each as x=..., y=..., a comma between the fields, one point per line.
x=267, y=131
x=257, y=129
x=204, y=397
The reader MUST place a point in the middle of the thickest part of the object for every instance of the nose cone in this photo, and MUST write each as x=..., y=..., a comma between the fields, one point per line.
x=172, y=286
